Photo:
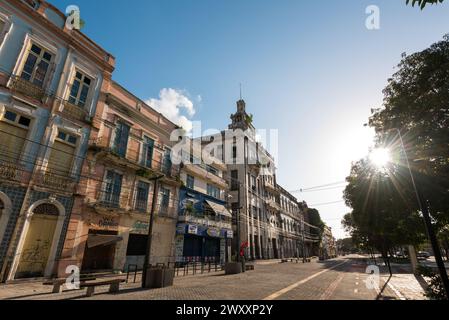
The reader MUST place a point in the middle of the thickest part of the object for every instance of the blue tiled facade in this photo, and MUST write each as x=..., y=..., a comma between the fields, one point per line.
x=17, y=196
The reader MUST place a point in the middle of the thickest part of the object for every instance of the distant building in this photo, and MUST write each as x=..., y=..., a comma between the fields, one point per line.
x=268, y=222
x=328, y=248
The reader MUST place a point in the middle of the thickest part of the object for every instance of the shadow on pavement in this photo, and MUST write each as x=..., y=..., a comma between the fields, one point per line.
x=380, y=295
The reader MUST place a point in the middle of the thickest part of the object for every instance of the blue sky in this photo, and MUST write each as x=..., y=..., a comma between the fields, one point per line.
x=310, y=69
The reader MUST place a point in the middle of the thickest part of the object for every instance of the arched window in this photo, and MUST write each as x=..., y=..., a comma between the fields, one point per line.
x=47, y=209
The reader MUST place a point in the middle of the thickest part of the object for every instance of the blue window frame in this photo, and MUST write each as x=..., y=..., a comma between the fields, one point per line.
x=165, y=198
x=190, y=183
x=148, y=149
x=121, y=139
x=143, y=189
x=113, y=188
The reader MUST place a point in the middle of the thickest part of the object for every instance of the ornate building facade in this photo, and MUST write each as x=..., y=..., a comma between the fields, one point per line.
x=129, y=146
x=80, y=154
x=50, y=80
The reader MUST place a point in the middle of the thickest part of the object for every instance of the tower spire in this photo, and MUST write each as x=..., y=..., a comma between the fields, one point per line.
x=240, y=91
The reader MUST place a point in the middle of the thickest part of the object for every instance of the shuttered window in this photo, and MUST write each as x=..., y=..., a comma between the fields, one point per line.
x=61, y=158
x=62, y=154
x=13, y=133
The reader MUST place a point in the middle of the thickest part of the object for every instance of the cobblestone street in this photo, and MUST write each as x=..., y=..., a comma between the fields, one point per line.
x=338, y=279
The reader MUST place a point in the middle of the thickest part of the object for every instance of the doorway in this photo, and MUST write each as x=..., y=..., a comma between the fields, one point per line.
x=38, y=242
x=100, y=251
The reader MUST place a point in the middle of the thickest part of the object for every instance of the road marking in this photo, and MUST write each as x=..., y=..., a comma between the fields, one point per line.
x=330, y=290
x=297, y=284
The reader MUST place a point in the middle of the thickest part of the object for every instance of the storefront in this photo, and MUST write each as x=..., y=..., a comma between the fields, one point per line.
x=137, y=245
x=196, y=242
x=204, y=229
x=101, y=246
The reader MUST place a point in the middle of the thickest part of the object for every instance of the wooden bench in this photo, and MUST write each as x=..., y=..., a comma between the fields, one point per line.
x=58, y=283
x=114, y=286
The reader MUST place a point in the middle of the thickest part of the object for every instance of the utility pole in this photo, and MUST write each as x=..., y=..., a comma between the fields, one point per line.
x=150, y=231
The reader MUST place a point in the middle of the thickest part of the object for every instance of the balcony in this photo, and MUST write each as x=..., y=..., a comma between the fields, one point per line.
x=27, y=88
x=105, y=152
x=204, y=220
x=108, y=200
x=271, y=187
x=273, y=204
x=10, y=171
x=55, y=181
x=141, y=206
x=166, y=212
x=200, y=170
x=74, y=112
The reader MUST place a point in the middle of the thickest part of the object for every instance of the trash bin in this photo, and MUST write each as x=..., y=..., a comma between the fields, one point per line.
x=159, y=277
x=233, y=268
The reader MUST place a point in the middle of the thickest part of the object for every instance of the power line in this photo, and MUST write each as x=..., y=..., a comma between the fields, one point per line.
x=318, y=187
x=326, y=203
x=325, y=189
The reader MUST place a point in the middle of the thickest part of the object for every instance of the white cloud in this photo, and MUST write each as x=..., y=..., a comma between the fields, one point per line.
x=176, y=106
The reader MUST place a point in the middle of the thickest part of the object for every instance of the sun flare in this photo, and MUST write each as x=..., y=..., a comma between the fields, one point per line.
x=380, y=157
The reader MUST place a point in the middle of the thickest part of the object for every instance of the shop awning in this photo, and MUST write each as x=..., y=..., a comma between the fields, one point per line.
x=219, y=209
x=96, y=240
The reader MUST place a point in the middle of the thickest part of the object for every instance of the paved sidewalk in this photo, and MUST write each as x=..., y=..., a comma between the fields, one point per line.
x=337, y=279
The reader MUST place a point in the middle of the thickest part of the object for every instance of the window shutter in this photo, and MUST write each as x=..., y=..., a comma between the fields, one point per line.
x=61, y=158
x=13, y=140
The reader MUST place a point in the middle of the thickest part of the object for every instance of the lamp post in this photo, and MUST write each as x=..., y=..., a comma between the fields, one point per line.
x=424, y=208
x=150, y=230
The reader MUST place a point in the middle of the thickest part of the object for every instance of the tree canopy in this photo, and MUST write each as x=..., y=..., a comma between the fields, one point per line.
x=416, y=101
x=422, y=3
x=314, y=218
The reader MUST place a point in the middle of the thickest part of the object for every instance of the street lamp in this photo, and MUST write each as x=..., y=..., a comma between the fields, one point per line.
x=150, y=231
x=428, y=222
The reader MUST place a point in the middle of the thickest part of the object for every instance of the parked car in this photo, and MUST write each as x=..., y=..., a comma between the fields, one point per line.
x=423, y=255
x=400, y=254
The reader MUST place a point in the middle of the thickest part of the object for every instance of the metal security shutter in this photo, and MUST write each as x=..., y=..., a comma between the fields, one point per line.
x=12, y=141
x=61, y=158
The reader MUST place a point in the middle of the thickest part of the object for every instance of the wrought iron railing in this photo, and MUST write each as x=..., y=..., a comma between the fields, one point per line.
x=206, y=220
x=165, y=167
x=27, y=88
x=10, y=171
x=141, y=205
x=49, y=179
x=166, y=211
x=109, y=199
x=74, y=111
